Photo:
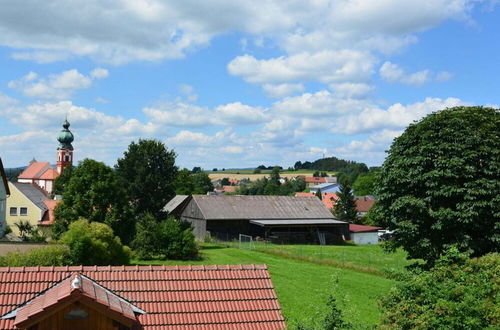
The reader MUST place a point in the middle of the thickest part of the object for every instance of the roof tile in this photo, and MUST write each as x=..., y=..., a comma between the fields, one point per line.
x=201, y=297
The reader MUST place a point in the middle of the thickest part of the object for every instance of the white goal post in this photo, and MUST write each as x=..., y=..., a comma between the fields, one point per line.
x=246, y=242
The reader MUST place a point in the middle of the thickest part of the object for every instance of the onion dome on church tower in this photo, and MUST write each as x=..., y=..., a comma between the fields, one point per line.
x=65, y=137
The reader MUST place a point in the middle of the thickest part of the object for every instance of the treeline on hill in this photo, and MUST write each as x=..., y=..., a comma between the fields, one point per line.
x=112, y=207
x=349, y=168
x=274, y=185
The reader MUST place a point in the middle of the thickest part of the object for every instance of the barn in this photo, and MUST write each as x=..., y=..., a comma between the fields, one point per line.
x=280, y=219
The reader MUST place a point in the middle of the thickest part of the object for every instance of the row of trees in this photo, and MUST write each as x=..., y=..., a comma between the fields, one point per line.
x=272, y=186
x=129, y=196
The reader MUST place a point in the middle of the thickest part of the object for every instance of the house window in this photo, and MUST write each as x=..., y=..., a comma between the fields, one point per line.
x=13, y=211
x=23, y=211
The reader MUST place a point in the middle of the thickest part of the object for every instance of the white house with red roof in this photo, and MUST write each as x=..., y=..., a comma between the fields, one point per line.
x=42, y=173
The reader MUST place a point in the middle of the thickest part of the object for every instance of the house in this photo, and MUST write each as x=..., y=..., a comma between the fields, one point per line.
x=326, y=188
x=328, y=199
x=276, y=218
x=4, y=193
x=28, y=202
x=313, y=180
x=138, y=297
x=364, y=204
x=42, y=173
x=364, y=234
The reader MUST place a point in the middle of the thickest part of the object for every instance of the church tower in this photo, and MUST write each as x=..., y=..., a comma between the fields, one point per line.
x=65, y=149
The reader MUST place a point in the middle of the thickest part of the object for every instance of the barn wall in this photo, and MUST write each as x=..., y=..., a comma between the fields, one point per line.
x=193, y=215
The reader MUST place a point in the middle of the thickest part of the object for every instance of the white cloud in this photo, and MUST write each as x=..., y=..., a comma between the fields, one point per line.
x=41, y=57
x=325, y=66
x=394, y=74
x=397, y=116
x=6, y=100
x=282, y=90
x=232, y=149
x=351, y=90
x=179, y=114
x=56, y=86
x=188, y=91
x=239, y=114
x=99, y=73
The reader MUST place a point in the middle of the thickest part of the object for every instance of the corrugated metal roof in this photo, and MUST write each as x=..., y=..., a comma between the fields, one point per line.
x=297, y=222
x=261, y=207
x=200, y=297
x=174, y=203
x=33, y=193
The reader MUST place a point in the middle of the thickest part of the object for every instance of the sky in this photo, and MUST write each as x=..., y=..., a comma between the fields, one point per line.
x=236, y=84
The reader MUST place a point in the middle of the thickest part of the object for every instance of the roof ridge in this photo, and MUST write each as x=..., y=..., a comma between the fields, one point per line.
x=110, y=268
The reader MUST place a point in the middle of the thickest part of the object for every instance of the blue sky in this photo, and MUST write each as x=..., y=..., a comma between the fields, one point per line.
x=238, y=83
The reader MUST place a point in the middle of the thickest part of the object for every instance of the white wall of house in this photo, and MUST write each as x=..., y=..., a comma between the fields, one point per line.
x=365, y=238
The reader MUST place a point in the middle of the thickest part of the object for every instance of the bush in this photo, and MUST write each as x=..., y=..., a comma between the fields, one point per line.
x=93, y=243
x=51, y=255
x=458, y=293
x=169, y=239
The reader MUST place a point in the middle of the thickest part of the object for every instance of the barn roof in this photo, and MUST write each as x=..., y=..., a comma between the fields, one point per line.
x=198, y=297
x=261, y=207
x=174, y=203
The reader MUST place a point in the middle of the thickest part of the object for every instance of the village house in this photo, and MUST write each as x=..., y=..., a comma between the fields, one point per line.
x=325, y=188
x=284, y=219
x=364, y=234
x=138, y=297
x=31, y=204
x=364, y=204
x=42, y=173
x=4, y=193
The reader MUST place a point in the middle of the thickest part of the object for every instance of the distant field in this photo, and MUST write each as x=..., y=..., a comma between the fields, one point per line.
x=243, y=174
x=302, y=287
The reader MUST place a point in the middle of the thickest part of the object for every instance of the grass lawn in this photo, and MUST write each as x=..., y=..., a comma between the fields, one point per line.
x=303, y=286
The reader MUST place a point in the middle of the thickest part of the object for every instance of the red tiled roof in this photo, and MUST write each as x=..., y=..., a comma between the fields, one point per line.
x=34, y=170
x=305, y=194
x=360, y=228
x=364, y=204
x=49, y=217
x=66, y=291
x=49, y=174
x=328, y=199
x=229, y=189
x=314, y=179
x=200, y=297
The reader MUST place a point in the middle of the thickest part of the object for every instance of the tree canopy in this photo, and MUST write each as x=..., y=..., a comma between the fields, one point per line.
x=345, y=206
x=147, y=171
x=95, y=193
x=439, y=185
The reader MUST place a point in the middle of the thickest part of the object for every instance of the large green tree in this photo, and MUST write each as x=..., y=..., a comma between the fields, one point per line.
x=95, y=193
x=148, y=172
x=440, y=184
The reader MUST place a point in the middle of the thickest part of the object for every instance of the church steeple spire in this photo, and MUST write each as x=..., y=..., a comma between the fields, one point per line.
x=65, y=149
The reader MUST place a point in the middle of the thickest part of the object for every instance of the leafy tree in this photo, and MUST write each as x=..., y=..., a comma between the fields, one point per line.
x=298, y=165
x=202, y=183
x=196, y=169
x=365, y=184
x=148, y=172
x=168, y=239
x=458, y=293
x=323, y=174
x=439, y=184
x=25, y=228
x=262, y=167
x=318, y=194
x=257, y=171
x=316, y=174
x=95, y=193
x=184, y=182
x=345, y=206
x=334, y=318
x=62, y=180
x=215, y=169
x=225, y=182
x=50, y=255
x=93, y=243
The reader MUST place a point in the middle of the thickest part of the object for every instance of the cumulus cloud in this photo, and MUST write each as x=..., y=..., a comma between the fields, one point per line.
x=282, y=90
x=239, y=114
x=394, y=74
x=179, y=114
x=351, y=90
x=396, y=116
x=41, y=57
x=325, y=66
x=56, y=86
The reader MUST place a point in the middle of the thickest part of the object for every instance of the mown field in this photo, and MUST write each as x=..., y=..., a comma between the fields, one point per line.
x=248, y=173
x=303, y=278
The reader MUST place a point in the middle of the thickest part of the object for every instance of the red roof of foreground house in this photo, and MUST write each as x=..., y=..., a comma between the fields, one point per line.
x=34, y=170
x=198, y=297
x=361, y=229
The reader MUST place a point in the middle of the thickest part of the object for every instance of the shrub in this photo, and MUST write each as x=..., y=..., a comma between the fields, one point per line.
x=458, y=293
x=51, y=255
x=93, y=243
x=168, y=239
